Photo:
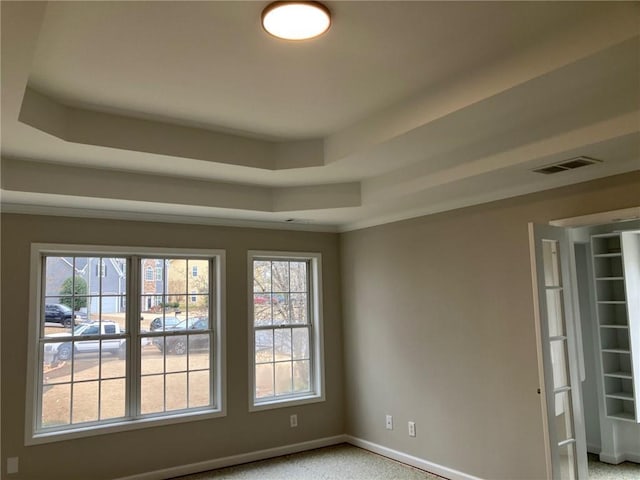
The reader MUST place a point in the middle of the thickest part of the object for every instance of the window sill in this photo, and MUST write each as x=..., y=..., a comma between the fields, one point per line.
x=285, y=402
x=120, y=426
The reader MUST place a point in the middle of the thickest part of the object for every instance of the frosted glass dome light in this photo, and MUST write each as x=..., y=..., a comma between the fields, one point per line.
x=296, y=20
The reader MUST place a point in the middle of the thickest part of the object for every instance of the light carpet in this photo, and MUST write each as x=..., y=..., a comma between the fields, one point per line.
x=605, y=471
x=340, y=462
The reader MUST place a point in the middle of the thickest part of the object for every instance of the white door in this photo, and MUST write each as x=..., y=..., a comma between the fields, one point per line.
x=557, y=334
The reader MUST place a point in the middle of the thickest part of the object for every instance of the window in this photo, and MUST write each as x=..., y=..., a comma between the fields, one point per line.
x=158, y=274
x=286, y=329
x=194, y=271
x=148, y=274
x=101, y=362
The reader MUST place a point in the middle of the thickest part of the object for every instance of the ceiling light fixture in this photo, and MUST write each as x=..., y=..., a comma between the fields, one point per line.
x=296, y=20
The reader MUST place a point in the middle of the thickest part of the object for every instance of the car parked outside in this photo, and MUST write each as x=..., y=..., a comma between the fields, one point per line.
x=59, y=313
x=177, y=344
x=169, y=322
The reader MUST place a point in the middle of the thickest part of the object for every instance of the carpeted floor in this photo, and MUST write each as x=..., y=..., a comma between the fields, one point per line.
x=342, y=462
x=604, y=471
x=346, y=462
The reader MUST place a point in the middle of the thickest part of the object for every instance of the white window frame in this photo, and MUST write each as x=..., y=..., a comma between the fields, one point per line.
x=317, y=393
x=34, y=362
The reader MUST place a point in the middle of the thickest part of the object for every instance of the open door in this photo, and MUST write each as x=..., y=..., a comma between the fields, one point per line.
x=557, y=350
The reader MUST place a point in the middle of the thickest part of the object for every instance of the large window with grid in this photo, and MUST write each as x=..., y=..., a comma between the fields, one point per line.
x=113, y=345
x=286, y=329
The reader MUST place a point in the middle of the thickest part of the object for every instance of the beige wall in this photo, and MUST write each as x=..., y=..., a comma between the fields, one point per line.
x=120, y=454
x=439, y=329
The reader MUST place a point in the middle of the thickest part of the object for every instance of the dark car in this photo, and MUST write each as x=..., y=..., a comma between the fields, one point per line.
x=169, y=323
x=58, y=313
x=177, y=344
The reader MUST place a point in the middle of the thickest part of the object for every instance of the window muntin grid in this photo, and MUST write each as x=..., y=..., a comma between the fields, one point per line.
x=283, y=329
x=124, y=382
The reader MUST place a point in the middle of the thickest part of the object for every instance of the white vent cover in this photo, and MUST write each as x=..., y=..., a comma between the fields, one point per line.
x=570, y=164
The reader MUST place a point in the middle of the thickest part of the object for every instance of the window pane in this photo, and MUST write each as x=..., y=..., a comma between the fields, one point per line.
x=280, y=276
x=114, y=363
x=151, y=282
x=176, y=271
x=567, y=462
x=151, y=356
x=559, y=363
x=280, y=305
x=53, y=371
x=198, y=351
x=58, y=270
x=262, y=309
x=114, y=279
x=282, y=344
x=87, y=280
x=113, y=310
x=301, y=376
x=112, y=399
x=264, y=346
x=152, y=394
x=299, y=308
x=56, y=405
x=555, y=317
x=176, y=362
x=563, y=416
x=298, y=276
x=86, y=366
x=198, y=305
x=199, y=388
x=261, y=276
x=176, y=391
x=264, y=380
x=198, y=283
x=283, y=378
x=551, y=265
x=300, y=343
x=85, y=402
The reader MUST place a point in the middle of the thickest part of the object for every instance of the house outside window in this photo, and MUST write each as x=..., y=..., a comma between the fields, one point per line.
x=286, y=329
x=109, y=370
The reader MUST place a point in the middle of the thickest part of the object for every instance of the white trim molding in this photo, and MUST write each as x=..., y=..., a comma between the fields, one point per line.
x=417, y=462
x=239, y=459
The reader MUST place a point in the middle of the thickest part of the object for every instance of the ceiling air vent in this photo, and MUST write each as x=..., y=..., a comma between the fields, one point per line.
x=570, y=164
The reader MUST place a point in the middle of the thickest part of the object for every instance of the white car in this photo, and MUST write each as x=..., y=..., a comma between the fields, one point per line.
x=64, y=349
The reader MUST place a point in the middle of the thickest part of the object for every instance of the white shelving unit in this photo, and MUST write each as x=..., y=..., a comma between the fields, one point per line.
x=616, y=268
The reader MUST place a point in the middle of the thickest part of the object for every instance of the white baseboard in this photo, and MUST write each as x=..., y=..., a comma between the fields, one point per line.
x=632, y=457
x=236, y=459
x=420, y=463
x=613, y=458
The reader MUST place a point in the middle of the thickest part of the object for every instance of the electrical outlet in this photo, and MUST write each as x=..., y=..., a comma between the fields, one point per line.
x=389, y=422
x=293, y=420
x=12, y=465
x=412, y=429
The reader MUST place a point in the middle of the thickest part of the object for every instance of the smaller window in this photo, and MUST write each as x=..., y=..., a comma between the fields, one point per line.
x=158, y=274
x=148, y=274
x=193, y=296
x=286, y=354
x=194, y=271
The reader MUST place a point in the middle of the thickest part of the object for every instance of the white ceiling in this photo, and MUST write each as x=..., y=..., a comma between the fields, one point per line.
x=189, y=111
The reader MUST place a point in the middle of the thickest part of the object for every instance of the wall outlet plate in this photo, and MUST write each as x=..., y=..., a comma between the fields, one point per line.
x=293, y=420
x=412, y=429
x=389, y=422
